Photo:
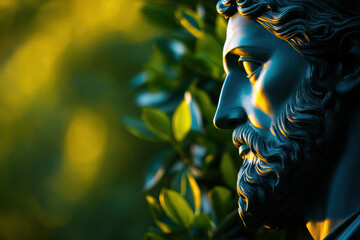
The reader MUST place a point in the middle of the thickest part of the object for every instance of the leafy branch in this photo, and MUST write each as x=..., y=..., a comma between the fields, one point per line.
x=177, y=92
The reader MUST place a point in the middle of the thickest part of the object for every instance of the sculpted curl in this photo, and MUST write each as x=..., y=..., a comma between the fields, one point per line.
x=305, y=25
x=290, y=108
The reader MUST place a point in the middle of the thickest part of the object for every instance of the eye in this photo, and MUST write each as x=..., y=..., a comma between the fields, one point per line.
x=251, y=66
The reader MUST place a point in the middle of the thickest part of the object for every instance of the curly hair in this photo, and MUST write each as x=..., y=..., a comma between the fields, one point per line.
x=313, y=28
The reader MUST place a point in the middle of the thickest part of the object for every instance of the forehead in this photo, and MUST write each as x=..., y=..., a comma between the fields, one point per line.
x=243, y=32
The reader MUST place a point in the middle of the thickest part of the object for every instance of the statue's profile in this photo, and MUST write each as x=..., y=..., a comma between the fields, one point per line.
x=292, y=96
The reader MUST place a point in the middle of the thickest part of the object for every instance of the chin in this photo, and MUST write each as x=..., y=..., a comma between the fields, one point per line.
x=281, y=170
x=265, y=197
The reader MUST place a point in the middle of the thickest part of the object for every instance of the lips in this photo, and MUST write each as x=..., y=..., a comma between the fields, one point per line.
x=242, y=137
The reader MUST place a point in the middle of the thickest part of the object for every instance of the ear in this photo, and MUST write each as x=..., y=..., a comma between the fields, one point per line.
x=349, y=65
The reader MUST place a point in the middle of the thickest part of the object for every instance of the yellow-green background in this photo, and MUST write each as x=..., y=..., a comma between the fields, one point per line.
x=68, y=168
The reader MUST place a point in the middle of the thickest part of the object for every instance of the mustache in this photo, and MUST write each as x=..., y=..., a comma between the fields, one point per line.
x=243, y=135
x=265, y=147
x=247, y=135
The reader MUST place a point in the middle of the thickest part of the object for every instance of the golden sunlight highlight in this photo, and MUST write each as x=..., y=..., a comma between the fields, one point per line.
x=33, y=67
x=261, y=101
x=84, y=145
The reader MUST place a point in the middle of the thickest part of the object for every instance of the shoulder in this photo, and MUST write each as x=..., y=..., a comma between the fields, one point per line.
x=349, y=230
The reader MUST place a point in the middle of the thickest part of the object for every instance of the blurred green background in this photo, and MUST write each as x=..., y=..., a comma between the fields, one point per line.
x=68, y=167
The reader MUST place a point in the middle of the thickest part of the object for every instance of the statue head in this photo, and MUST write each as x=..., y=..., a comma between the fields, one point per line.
x=293, y=70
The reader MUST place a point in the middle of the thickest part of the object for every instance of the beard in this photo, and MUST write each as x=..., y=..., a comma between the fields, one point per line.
x=282, y=168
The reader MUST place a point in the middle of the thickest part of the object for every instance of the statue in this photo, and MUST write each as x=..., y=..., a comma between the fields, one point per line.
x=291, y=95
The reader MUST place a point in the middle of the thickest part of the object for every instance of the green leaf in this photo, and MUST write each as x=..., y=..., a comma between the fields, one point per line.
x=222, y=201
x=181, y=121
x=157, y=214
x=202, y=221
x=191, y=21
x=139, y=79
x=152, y=236
x=152, y=98
x=155, y=209
x=138, y=128
x=173, y=50
x=195, y=191
x=157, y=167
x=158, y=122
x=203, y=99
x=163, y=226
x=196, y=119
x=185, y=183
x=228, y=170
x=177, y=182
x=176, y=208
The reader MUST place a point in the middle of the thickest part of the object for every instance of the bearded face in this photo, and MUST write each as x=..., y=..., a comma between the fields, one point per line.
x=279, y=170
x=274, y=102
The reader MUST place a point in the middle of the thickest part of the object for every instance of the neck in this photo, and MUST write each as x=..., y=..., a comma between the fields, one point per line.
x=340, y=196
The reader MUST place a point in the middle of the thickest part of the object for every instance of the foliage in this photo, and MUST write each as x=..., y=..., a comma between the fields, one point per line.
x=195, y=178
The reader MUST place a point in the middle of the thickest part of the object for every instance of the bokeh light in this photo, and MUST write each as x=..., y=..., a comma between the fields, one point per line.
x=67, y=164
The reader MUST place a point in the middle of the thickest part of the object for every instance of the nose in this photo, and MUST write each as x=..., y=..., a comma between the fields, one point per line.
x=229, y=119
x=229, y=113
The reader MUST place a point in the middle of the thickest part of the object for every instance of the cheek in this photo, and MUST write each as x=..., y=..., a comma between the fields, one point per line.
x=261, y=100
x=274, y=88
x=260, y=114
x=280, y=81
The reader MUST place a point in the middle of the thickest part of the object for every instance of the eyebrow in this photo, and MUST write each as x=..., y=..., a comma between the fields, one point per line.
x=245, y=51
x=250, y=51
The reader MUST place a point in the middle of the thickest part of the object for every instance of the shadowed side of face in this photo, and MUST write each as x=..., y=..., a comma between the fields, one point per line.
x=263, y=75
x=287, y=113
